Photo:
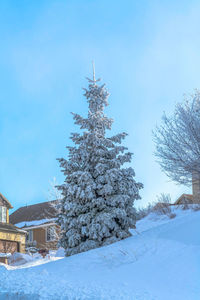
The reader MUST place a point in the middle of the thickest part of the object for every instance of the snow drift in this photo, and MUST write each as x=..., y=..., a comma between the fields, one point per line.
x=161, y=261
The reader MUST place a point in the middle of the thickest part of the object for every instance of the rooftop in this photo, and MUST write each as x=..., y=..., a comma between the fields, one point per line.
x=39, y=211
x=10, y=228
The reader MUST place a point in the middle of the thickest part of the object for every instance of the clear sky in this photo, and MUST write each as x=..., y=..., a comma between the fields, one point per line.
x=147, y=52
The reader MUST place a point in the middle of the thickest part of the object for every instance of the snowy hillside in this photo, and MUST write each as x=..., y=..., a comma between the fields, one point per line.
x=161, y=261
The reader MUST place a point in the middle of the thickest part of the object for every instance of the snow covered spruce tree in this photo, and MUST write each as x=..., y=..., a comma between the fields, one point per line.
x=98, y=193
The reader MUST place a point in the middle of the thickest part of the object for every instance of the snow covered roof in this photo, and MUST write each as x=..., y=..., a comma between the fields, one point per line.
x=10, y=228
x=5, y=254
x=184, y=198
x=33, y=213
x=35, y=223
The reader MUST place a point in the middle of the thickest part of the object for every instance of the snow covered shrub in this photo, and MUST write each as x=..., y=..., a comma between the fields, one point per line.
x=141, y=213
x=196, y=207
x=31, y=250
x=163, y=207
x=172, y=215
x=17, y=259
x=60, y=252
x=98, y=193
x=144, y=211
x=186, y=204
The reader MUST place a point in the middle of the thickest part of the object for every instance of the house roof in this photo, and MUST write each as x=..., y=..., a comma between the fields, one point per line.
x=10, y=228
x=39, y=211
x=5, y=200
x=187, y=197
x=35, y=223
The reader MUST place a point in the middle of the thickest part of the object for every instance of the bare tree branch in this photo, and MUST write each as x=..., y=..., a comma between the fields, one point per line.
x=177, y=141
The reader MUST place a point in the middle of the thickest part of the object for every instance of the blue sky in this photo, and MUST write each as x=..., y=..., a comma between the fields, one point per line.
x=147, y=52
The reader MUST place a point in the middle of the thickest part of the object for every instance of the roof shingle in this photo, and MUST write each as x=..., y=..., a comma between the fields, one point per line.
x=39, y=211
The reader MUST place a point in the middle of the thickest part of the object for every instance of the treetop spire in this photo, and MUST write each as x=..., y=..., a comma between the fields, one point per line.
x=93, y=80
x=93, y=67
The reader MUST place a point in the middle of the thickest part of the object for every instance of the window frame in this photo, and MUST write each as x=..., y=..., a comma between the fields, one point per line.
x=53, y=238
x=3, y=214
x=28, y=240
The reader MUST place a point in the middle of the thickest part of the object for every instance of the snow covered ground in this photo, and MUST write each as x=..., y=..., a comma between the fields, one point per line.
x=161, y=261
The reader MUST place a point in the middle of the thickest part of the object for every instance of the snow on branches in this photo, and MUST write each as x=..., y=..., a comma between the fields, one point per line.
x=98, y=192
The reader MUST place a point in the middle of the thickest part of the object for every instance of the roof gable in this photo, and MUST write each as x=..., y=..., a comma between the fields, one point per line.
x=184, y=198
x=4, y=201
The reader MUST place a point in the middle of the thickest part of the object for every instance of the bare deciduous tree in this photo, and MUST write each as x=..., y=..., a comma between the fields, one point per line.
x=53, y=192
x=177, y=141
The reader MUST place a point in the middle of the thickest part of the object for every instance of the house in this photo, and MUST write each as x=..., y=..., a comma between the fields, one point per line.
x=184, y=199
x=39, y=221
x=193, y=198
x=12, y=238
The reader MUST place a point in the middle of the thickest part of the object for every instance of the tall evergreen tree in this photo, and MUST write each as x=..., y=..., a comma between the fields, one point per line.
x=98, y=193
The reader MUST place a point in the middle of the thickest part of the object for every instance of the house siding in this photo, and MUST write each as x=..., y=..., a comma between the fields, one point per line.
x=3, y=203
x=7, y=215
x=39, y=235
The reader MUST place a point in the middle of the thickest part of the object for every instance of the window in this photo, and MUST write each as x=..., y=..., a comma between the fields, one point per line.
x=29, y=236
x=3, y=214
x=51, y=234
